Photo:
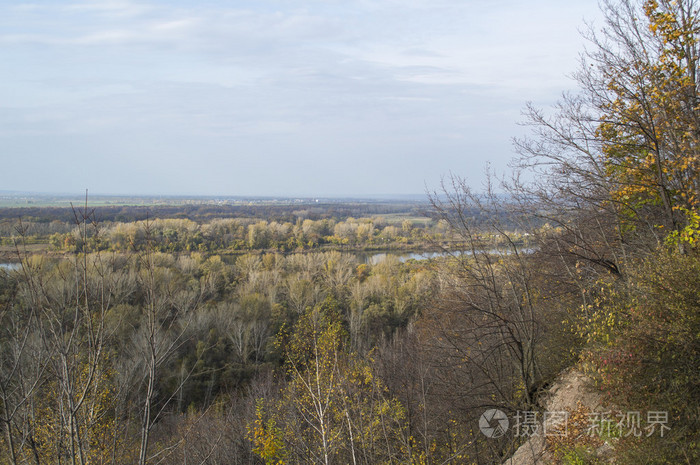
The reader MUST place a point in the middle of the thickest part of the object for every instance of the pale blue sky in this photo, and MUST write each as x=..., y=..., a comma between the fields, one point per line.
x=265, y=97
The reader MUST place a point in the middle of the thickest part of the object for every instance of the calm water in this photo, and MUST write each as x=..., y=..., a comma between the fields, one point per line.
x=373, y=259
x=10, y=266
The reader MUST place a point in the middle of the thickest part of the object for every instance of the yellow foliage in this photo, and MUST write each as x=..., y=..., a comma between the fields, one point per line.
x=90, y=432
x=650, y=130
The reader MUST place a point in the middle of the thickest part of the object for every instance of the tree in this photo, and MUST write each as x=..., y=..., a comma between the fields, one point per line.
x=643, y=337
x=650, y=122
x=333, y=409
x=617, y=169
x=56, y=381
x=624, y=150
x=167, y=313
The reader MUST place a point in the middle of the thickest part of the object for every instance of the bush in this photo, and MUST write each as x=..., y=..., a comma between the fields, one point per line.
x=645, y=350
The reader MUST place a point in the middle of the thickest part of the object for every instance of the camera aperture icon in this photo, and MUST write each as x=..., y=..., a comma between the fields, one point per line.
x=493, y=423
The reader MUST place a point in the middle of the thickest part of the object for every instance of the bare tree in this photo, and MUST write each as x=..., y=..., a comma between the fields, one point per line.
x=166, y=316
x=58, y=390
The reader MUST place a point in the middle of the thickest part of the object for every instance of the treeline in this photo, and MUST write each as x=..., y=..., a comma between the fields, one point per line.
x=232, y=235
x=206, y=211
x=210, y=228
x=238, y=235
x=293, y=231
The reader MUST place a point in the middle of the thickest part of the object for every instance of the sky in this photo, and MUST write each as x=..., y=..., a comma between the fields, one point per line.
x=274, y=97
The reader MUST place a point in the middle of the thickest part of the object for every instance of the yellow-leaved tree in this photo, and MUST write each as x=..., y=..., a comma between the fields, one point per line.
x=647, y=90
x=333, y=408
x=622, y=155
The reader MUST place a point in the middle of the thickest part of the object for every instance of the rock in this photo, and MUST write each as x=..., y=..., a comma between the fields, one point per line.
x=571, y=389
x=530, y=453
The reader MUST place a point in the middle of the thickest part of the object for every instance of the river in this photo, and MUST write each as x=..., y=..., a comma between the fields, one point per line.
x=10, y=266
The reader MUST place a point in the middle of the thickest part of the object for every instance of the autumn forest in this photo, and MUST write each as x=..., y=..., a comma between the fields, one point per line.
x=380, y=331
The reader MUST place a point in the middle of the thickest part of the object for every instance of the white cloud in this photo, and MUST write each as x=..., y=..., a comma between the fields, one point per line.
x=370, y=80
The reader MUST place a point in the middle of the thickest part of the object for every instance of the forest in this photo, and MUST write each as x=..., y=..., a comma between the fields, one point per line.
x=258, y=335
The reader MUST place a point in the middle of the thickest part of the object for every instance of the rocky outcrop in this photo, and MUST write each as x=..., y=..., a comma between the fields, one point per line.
x=571, y=390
